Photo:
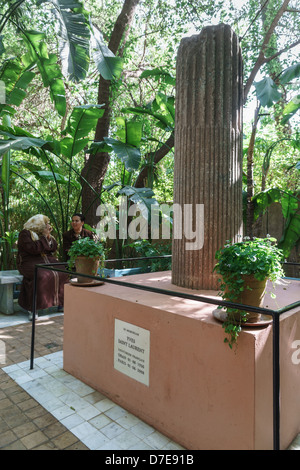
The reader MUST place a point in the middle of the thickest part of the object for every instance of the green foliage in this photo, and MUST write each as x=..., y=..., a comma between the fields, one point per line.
x=161, y=109
x=268, y=93
x=86, y=247
x=259, y=257
x=142, y=196
x=48, y=67
x=48, y=152
x=128, y=154
x=77, y=36
x=109, y=66
x=159, y=72
x=16, y=78
x=8, y=249
x=74, y=37
x=81, y=122
x=160, y=251
x=290, y=211
x=151, y=49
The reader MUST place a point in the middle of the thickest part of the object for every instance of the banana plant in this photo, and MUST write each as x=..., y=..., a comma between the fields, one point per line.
x=162, y=109
x=75, y=137
x=126, y=147
x=5, y=248
x=47, y=65
x=77, y=37
x=16, y=78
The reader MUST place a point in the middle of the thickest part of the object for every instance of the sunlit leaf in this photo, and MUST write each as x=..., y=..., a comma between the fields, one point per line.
x=267, y=92
x=129, y=155
x=108, y=65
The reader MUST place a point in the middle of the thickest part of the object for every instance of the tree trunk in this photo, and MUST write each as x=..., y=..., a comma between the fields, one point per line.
x=250, y=182
x=261, y=56
x=96, y=165
x=141, y=181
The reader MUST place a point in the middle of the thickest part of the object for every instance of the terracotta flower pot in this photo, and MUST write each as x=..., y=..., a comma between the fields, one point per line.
x=86, y=266
x=253, y=294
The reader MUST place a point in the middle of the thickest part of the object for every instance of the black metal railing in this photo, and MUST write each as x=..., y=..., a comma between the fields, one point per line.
x=274, y=313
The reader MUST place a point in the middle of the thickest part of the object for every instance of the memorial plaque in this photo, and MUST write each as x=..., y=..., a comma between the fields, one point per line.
x=132, y=351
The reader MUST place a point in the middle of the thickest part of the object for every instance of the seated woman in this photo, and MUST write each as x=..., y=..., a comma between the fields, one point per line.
x=77, y=231
x=36, y=245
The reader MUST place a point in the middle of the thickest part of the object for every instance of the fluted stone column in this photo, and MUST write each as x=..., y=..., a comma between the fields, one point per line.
x=208, y=153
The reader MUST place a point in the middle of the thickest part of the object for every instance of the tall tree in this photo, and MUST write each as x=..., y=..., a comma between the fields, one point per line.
x=267, y=55
x=96, y=165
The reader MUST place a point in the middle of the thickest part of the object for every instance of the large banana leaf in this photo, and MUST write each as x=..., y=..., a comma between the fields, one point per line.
x=264, y=199
x=48, y=67
x=20, y=143
x=159, y=73
x=82, y=121
x=19, y=139
x=166, y=105
x=129, y=155
x=289, y=74
x=74, y=36
x=45, y=176
x=267, y=92
x=142, y=196
x=108, y=65
x=162, y=109
x=16, y=79
x=290, y=109
x=130, y=132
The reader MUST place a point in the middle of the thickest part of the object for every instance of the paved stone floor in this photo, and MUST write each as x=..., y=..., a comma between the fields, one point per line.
x=47, y=409
x=24, y=423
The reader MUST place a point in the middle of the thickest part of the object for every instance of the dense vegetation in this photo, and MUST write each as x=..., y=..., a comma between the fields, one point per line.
x=90, y=98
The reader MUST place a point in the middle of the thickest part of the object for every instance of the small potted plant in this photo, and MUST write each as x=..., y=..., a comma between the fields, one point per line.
x=87, y=255
x=245, y=268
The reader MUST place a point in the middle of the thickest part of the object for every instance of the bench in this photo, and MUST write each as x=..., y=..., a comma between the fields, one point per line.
x=7, y=281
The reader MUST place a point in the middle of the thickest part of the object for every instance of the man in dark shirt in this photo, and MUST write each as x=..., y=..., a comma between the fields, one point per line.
x=77, y=231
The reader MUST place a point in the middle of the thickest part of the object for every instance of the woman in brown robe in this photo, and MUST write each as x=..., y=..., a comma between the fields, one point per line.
x=37, y=246
x=77, y=231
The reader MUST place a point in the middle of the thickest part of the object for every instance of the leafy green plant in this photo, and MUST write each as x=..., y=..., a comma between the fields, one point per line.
x=55, y=162
x=86, y=247
x=290, y=211
x=78, y=41
x=8, y=250
x=259, y=257
x=148, y=249
x=268, y=93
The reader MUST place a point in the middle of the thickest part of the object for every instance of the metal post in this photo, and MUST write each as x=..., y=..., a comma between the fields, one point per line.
x=276, y=383
x=33, y=315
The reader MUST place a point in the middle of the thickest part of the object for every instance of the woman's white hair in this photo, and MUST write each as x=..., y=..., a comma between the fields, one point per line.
x=36, y=225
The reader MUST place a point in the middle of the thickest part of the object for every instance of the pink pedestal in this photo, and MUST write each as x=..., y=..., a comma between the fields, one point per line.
x=199, y=392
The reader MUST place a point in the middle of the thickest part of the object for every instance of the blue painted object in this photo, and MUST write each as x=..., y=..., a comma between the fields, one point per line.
x=119, y=272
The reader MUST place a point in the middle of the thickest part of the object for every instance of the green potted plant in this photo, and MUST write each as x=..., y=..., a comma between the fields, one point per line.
x=244, y=268
x=87, y=255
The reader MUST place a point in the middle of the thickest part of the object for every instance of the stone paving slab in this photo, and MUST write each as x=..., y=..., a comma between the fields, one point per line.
x=24, y=423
